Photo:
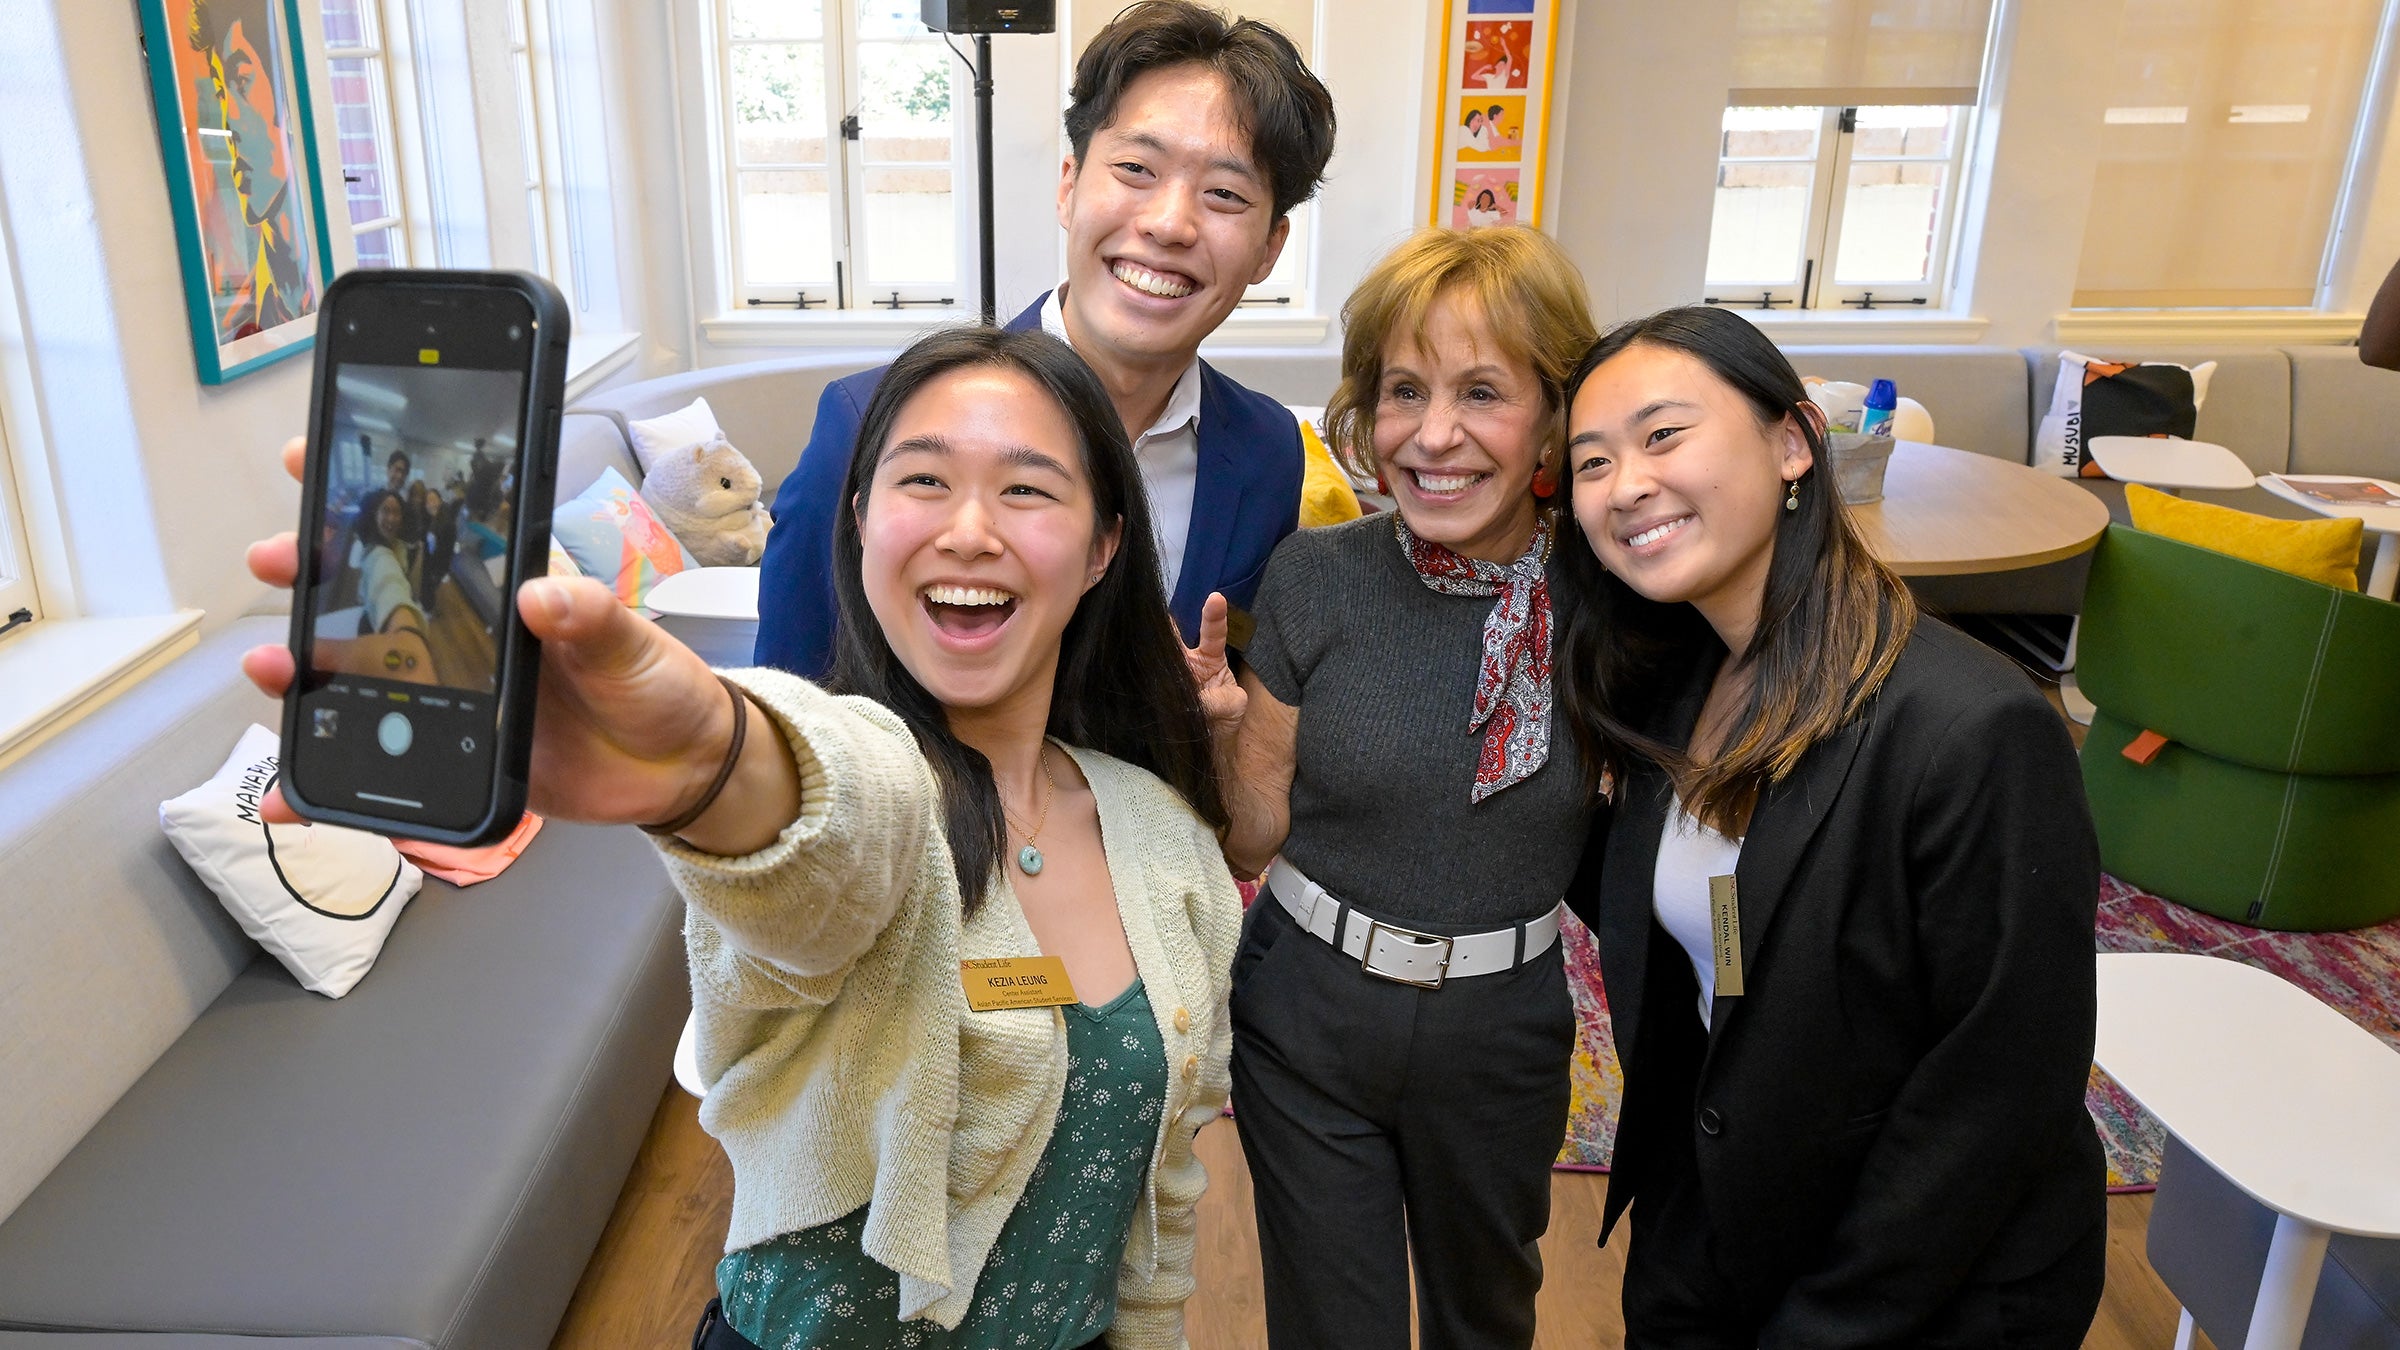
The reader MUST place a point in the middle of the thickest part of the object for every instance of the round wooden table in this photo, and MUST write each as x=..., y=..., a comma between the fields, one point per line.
x=1952, y=512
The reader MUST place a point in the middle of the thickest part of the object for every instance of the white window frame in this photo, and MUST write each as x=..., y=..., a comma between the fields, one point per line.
x=531, y=54
x=388, y=57
x=846, y=165
x=1812, y=287
x=20, y=595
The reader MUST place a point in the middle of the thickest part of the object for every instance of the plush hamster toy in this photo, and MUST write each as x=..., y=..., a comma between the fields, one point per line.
x=708, y=495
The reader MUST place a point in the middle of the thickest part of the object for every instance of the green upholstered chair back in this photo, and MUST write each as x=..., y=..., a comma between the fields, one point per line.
x=2239, y=661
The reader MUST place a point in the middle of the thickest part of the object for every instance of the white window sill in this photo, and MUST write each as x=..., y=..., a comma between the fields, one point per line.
x=1269, y=326
x=1831, y=328
x=851, y=328
x=593, y=357
x=59, y=669
x=2188, y=327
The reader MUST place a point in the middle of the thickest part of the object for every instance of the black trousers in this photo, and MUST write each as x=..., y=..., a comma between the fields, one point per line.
x=1383, y=1121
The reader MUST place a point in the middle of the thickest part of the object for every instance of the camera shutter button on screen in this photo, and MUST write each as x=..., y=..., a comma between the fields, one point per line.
x=394, y=733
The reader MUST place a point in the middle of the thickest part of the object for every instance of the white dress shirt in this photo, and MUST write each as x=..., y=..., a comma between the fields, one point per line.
x=1168, y=454
x=1689, y=853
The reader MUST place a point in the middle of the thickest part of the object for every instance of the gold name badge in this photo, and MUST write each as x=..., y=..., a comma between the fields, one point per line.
x=1725, y=909
x=1016, y=982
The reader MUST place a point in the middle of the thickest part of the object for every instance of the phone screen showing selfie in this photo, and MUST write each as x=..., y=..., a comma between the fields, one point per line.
x=417, y=491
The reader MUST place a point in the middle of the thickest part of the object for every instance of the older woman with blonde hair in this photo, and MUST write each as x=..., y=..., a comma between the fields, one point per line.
x=1402, y=1023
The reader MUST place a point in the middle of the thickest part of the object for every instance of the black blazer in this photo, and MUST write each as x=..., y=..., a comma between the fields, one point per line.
x=1895, y=1108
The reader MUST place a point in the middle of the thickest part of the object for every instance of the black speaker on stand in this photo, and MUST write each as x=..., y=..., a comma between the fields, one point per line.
x=982, y=18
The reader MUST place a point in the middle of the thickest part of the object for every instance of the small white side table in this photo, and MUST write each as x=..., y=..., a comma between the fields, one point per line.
x=2169, y=464
x=707, y=593
x=2289, y=1100
x=2383, y=577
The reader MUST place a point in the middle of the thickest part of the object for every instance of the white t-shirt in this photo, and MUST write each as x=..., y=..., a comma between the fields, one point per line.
x=1168, y=454
x=1477, y=219
x=1689, y=853
x=1479, y=136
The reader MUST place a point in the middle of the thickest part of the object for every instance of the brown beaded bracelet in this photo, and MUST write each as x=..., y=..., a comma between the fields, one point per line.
x=733, y=755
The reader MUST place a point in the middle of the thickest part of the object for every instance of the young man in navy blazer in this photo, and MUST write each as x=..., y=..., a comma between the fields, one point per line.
x=1192, y=140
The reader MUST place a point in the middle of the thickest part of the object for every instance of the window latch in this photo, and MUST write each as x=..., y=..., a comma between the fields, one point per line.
x=1867, y=300
x=849, y=127
x=1765, y=300
x=1249, y=300
x=17, y=620
x=1849, y=120
x=799, y=300
x=896, y=302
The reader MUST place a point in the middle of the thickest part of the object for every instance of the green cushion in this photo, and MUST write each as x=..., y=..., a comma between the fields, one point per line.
x=2301, y=852
x=2248, y=664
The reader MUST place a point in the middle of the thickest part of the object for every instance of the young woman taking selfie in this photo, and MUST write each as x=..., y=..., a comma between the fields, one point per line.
x=1015, y=769
x=1844, y=905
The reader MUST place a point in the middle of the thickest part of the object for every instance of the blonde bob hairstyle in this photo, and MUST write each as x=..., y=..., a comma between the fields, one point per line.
x=1517, y=283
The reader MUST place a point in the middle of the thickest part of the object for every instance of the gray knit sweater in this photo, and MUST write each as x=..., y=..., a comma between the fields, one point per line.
x=1382, y=669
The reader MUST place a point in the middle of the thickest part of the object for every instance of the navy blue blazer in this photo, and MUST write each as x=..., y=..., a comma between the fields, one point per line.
x=1246, y=500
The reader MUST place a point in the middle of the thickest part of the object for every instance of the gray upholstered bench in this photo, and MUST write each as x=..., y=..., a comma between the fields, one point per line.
x=204, y=1156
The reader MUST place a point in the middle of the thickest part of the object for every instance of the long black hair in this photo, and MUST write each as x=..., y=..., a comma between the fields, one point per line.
x=1122, y=687
x=1832, y=622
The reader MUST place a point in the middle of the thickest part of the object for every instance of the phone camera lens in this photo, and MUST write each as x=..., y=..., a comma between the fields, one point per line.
x=516, y=332
x=351, y=326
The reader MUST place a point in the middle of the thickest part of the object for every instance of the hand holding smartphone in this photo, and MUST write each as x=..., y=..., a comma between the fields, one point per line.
x=425, y=504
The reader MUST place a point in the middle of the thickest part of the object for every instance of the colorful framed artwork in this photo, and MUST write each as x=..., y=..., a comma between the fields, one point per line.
x=235, y=126
x=1495, y=111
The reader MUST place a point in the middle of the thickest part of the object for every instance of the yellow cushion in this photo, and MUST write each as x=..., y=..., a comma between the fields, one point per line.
x=1325, y=495
x=2320, y=550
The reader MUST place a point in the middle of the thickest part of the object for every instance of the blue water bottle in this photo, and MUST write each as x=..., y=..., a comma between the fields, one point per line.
x=1882, y=401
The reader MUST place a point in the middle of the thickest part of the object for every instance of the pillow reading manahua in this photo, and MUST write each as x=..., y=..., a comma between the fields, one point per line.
x=320, y=897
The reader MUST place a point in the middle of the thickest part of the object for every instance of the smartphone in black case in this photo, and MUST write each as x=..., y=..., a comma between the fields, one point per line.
x=432, y=450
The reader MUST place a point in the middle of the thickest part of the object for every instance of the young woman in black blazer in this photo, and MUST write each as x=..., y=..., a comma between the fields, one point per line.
x=1854, y=1075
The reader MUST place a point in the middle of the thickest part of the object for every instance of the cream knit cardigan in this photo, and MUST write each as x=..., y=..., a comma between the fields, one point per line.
x=843, y=1065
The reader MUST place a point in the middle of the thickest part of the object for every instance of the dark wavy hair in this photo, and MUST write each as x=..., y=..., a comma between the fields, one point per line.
x=1122, y=687
x=1284, y=107
x=1833, y=620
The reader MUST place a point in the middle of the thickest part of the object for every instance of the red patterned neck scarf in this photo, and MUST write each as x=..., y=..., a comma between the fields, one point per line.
x=1512, y=689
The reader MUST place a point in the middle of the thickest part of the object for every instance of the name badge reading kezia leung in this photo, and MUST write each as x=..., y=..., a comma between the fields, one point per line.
x=1016, y=982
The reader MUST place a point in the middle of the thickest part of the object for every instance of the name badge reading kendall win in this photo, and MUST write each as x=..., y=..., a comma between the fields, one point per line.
x=1016, y=982
x=1725, y=909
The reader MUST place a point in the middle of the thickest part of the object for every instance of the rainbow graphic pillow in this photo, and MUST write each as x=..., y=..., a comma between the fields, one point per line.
x=609, y=532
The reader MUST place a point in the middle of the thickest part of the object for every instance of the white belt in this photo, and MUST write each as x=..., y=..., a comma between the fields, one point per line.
x=1401, y=954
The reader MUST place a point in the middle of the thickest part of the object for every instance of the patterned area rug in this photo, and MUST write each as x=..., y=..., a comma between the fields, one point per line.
x=2357, y=974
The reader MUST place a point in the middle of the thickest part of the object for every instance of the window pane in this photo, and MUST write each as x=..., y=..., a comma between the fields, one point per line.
x=1899, y=185
x=891, y=19
x=1772, y=133
x=537, y=213
x=912, y=227
x=787, y=227
x=528, y=120
x=346, y=25
x=779, y=18
x=1889, y=220
x=2223, y=150
x=1761, y=223
x=779, y=104
x=375, y=248
x=357, y=99
x=904, y=89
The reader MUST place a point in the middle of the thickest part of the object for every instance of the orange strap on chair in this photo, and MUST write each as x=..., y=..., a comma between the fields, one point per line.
x=2145, y=747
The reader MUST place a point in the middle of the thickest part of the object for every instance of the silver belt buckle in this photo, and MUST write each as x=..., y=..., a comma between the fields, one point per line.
x=1366, y=954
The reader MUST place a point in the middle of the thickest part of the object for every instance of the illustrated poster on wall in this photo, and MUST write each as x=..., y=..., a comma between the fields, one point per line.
x=1495, y=110
x=234, y=125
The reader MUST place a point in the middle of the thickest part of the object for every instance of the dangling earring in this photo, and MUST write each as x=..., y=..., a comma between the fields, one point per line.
x=1791, y=501
x=1544, y=483
x=1382, y=488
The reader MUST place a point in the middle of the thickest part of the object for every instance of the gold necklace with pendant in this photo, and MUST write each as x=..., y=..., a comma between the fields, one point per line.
x=1029, y=858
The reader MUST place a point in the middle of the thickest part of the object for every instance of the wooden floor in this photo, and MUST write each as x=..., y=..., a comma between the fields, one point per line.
x=654, y=1268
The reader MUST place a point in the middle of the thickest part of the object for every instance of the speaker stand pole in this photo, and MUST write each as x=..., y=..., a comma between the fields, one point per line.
x=983, y=170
